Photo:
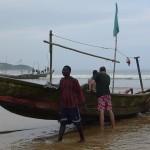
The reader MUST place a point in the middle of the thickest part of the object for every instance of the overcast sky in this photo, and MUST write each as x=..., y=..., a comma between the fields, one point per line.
x=26, y=23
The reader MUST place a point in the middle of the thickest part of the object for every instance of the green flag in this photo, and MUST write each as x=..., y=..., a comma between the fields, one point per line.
x=116, y=25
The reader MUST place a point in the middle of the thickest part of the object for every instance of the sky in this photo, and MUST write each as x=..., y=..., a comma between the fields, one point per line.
x=26, y=23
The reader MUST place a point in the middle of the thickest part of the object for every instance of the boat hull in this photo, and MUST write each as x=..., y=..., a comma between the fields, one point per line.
x=124, y=105
x=35, y=101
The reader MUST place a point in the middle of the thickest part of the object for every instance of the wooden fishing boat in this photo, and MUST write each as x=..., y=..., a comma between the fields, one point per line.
x=36, y=101
x=25, y=76
x=31, y=76
x=41, y=102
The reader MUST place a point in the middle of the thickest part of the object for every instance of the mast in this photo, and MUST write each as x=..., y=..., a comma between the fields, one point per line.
x=50, y=51
x=115, y=32
x=21, y=67
x=114, y=64
x=6, y=65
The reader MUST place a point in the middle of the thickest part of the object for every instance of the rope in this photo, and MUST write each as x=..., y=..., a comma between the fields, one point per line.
x=83, y=43
x=101, y=47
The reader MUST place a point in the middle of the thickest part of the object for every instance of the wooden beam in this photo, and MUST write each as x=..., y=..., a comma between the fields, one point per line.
x=80, y=51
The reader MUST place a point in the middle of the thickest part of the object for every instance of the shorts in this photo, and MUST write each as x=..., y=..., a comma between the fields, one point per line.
x=70, y=115
x=104, y=102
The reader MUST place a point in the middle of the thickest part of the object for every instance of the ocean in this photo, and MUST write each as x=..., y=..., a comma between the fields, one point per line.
x=124, y=79
x=19, y=133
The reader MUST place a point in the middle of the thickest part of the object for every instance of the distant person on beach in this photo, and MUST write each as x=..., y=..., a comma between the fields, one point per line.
x=102, y=80
x=47, y=69
x=91, y=82
x=71, y=96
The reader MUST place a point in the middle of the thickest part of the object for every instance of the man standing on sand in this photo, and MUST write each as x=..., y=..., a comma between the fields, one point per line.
x=71, y=96
x=102, y=80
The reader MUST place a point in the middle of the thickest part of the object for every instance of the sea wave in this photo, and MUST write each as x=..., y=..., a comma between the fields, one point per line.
x=126, y=75
x=118, y=76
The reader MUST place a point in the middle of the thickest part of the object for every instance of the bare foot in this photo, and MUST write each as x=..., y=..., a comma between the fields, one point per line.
x=59, y=140
x=81, y=140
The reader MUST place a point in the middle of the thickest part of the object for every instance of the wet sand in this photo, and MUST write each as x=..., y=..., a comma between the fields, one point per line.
x=129, y=134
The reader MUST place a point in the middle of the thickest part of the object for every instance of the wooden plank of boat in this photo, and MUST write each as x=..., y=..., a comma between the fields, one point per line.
x=35, y=101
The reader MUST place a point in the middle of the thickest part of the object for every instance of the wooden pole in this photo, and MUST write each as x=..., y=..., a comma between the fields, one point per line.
x=80, y=51
x=139, y=72
x=50, y=51
x=114, y=65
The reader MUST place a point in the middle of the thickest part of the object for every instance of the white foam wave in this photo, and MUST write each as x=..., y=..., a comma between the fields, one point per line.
x=118, y=76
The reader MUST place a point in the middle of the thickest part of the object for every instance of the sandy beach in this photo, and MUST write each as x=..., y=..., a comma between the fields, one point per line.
x=26, y=133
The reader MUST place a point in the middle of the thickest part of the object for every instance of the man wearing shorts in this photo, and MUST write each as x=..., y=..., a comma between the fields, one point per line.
x=102, y=80
x=71, y=96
